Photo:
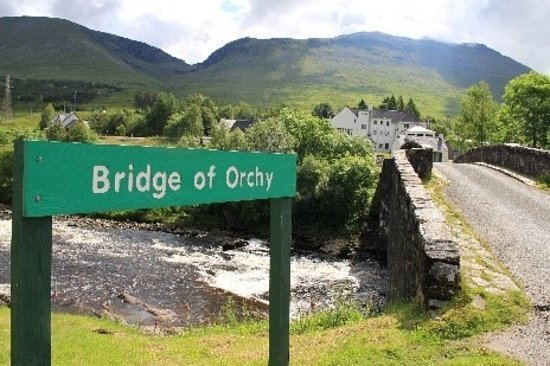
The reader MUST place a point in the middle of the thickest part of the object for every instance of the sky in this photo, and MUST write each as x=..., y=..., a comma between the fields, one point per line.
x=192, y=30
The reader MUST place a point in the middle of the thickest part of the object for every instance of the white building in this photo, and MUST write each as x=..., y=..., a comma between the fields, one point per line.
x=425, y=138
x=381, y=126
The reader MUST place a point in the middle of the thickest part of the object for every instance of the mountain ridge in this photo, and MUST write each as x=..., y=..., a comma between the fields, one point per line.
x=341, y=70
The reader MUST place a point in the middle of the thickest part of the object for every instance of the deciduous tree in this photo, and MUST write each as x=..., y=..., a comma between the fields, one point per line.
x=478, y=109
x=528, y=99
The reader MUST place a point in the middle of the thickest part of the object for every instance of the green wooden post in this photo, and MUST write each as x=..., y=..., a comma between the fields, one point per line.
x=31, y=253
x=279, y=281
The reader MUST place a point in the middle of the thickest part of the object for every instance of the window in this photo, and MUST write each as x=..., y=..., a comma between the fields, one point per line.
x=387, y=146
x=375, y=122
x=406, y=126
x=387, y=133
x=387, y=123
x=374, y=132
x=380, y=146
x=363, y=126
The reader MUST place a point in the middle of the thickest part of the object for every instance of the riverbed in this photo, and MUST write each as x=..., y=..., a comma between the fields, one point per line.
x=156, y=279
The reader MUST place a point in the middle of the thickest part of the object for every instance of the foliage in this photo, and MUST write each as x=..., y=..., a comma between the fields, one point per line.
x=527, y=98
x=9, y=136
x=157, y=116
x=323, y=110
x=478, y=110
x=223, y=138
x=270, y=136
x=411, y=107
x=6, y=176
x=543, y=181
x=59, y=93
x=362, y=105
x=332, y=167
x=80, y=132
x=145, y=99
x=389, y=103
x=48, y=113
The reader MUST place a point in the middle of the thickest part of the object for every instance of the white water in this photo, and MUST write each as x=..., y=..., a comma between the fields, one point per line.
x=315, y=282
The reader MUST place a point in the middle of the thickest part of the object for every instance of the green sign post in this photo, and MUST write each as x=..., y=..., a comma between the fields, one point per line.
x=52, y=178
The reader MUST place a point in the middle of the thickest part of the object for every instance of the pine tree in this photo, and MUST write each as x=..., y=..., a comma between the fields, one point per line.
x=411, y=107
x=400, y=103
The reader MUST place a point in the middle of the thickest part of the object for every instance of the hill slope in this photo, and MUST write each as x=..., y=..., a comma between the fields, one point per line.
x=49, y=48
x=347, y=68
x=339, y=70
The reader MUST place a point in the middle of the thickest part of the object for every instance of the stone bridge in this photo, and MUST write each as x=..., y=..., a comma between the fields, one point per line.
x=423, y=259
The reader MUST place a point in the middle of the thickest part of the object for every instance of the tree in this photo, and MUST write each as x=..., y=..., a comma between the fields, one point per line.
x=144, y=100
x=478, y=109
x=55, y=132
x=389, y=103
x=362, y=105
x=80, y=132
x=411, y=107
x=400, y=103
x=528, y=99
x=271, y=136
x=157, y=117
x=323, y=110
x=47, y=115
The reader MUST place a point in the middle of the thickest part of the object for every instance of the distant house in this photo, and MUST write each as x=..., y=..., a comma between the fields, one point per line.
x=66, y=120
x=234, y=124
x=425, y=138
x=379, y=125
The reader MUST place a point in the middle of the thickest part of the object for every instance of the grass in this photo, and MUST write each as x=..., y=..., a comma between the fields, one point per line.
x=403, y=336
x=543, y=182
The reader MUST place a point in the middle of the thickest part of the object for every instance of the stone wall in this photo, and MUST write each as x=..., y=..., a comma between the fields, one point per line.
x=530, y=162
x=423, y=260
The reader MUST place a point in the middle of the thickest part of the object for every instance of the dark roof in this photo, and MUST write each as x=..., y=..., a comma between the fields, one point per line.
x=395, y=116
x=355, y=111
x=242, y=124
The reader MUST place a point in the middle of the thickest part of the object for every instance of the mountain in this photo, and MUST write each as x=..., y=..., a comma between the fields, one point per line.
x=49, y=48
x=351, y=67
x=298, y=72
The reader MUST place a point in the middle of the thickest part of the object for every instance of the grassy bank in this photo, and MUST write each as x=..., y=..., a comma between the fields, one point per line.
x=403, y=336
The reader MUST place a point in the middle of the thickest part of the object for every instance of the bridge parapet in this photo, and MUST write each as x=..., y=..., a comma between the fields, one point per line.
x=423, y=259
x=533, y=163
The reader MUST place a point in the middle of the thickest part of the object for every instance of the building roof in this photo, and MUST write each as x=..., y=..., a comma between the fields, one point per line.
x=67, y=120
x=395, y=115
x=242, y=124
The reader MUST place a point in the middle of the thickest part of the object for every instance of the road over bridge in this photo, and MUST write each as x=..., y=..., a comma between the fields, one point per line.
x=515, y=220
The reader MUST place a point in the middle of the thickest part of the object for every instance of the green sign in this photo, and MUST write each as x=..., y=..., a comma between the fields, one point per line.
x=64, y=178
x=59, y=178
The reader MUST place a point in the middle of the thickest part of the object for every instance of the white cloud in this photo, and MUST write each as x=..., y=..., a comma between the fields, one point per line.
x=516, y=28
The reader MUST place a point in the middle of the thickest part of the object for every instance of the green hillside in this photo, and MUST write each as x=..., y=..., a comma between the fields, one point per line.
x=300, y=73
x=47, y=48
x=344, y=69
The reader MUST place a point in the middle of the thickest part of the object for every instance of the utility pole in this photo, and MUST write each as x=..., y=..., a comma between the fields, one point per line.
x=6, y=105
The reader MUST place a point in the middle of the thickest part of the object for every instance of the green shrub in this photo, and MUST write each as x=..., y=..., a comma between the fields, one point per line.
x=6, y=176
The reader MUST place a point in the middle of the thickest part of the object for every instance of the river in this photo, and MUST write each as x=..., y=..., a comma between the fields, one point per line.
x=153, y=278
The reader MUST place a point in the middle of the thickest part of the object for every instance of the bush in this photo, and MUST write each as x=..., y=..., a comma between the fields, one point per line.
x=6, y=177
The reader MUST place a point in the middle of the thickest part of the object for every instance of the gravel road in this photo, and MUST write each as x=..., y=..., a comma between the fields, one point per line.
x=515, y=219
